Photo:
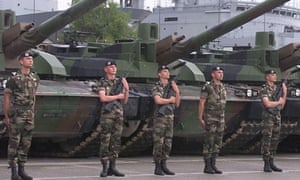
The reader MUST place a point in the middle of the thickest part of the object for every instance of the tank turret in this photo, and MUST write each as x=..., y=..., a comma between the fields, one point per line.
x=179, y=50
x=23, y=36
x=147, y=51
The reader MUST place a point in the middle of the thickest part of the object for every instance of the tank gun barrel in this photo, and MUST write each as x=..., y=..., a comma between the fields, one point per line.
x=28, y=38
x=179, y=50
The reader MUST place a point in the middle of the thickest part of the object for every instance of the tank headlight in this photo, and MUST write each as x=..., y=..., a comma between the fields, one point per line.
x=92, y=86
x=3, y=84
x=255, y=93
x=249, y=92
x=297, y=92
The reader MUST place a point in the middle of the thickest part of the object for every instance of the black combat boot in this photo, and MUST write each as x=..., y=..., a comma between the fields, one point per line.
x=22, y=172
x=213, y=165
x=267, y=167
x=112, y=170
x=104, y=168
x=273, y=166
x=14, y=174
x=208, y=168
x=165, y=169
x=158, y=170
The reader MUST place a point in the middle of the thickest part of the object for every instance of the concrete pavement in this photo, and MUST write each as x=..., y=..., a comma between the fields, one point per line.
x=234, y=167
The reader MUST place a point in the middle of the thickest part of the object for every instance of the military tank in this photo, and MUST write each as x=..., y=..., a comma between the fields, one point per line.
x=168, y=51
x=243, y=77
x=68, y=108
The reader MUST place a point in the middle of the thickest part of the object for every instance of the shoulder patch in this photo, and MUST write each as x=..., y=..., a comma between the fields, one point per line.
x=205, y=85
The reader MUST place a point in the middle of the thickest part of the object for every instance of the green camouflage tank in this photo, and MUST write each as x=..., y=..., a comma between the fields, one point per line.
x=67, y=109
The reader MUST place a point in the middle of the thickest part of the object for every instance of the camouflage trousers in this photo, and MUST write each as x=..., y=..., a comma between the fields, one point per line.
x=20, y=135
x=271, y=125
x=111, y=132
x=162, y=137
x=213, y=138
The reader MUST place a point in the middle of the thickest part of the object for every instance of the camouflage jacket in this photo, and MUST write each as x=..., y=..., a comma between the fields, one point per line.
x=269, y=92
x=22, y=88
x=160, y=90
x=215, y=96
x=107, y=86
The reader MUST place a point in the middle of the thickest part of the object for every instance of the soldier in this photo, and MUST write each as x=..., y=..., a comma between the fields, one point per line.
x=166, y=98
x=212, y=118
x=271, y=120
x=111, y=117
x=19, y=101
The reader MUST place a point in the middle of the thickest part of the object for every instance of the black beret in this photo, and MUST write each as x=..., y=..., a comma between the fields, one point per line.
x=270, y=71
x=217, y=68
x=25, y=54
x=160, y=68
x=109, y=63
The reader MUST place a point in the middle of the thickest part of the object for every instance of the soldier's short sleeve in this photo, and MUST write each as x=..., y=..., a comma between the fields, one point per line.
x=10, y=85
x=263, y=92
x=100, y=86
x=155, y=91
x=204, y=92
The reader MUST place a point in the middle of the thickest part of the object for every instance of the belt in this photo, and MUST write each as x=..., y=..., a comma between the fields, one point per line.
x=214, y=111
x=26, y=107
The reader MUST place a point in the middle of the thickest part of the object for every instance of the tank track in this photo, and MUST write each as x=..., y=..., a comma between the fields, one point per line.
x=245, y=133
x=287, y=128
x=68, y=148
x=246, y=139
x=141, y=140
x=89, y=144
x=84, y=147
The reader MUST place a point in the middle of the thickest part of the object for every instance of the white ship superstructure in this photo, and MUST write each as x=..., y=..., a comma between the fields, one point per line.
x=191, y=17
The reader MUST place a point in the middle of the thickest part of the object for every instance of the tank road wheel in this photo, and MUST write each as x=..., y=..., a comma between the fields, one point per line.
x=140, y=141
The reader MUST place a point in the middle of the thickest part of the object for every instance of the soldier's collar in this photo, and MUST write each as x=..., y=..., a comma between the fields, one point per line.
x=106, y=78
x=214, y=83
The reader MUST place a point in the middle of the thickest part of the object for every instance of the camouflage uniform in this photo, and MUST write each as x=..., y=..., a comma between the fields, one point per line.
x=22, y=88
x=162, y=126
x=271, y=124
x=111, y=124
x=214, y=116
